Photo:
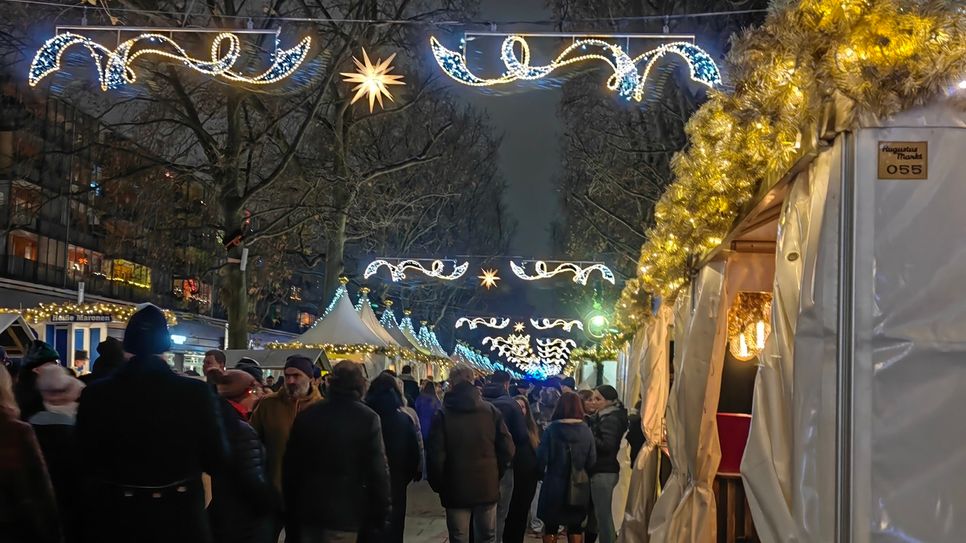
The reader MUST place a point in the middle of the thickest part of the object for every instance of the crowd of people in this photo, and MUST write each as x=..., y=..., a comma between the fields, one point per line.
x=135, y=452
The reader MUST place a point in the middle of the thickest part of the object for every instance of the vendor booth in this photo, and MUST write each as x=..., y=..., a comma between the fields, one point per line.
x=811, y=238
x=15, y=335
x=273, y=360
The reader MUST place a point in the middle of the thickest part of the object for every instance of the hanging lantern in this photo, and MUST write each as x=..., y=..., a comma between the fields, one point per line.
x=749, y=324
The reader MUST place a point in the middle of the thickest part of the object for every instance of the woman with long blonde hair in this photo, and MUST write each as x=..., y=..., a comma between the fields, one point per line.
x=28, y=512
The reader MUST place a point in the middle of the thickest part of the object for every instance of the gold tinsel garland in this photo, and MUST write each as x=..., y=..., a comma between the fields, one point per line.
x=118, y=312
x=883, y=56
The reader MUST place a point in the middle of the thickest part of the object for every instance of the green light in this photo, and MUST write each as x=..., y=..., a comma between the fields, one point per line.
x=598, y=321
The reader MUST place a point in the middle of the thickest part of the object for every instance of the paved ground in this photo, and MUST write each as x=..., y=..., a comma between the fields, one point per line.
x=425, y=522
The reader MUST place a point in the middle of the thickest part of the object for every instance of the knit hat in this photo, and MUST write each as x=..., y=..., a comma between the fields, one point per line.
x=39, y=353
x=608, y=392
x=252, y=367
x=301, y=363
x=81, y=355
x=235, y=384
x=111, y=348
x=54, y=378
x=147, y=332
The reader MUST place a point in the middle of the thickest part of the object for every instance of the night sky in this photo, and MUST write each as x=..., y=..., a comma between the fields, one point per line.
x=530, y=152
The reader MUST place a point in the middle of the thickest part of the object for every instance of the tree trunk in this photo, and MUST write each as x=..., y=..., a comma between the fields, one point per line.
x=234, y=280
x=335, y=254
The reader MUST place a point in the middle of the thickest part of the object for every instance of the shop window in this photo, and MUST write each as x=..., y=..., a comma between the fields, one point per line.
x=83, y=262
x=306, y=320
x=295, y=294
x=190, y=289
x=23, y=245
x=127, y=272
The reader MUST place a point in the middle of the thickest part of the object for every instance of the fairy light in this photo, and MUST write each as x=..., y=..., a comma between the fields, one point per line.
x=115, y=67
x=365, y=349
x=581, y=274
x=474, y=322
x=626, y=80
x=748, y=324
x=372, y=79
x=398, y=271
x=53, y=312
x=339, y=293
x=547, y=324
x=489, y=278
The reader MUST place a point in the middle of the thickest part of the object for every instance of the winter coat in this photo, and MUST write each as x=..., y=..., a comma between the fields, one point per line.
x=555, y=462
x=410, y=388
x=426, y=407
x=272, y=419
x=335, y=475
x=608, y=425
x=399, y=435
x=242, y=498
x=469, y=449
x=145, y=436
x=516, y=422
x=28, y=512
x=55, y=434
x=635, y=436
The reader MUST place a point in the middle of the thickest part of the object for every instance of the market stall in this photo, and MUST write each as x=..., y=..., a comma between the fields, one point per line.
x=825, y=185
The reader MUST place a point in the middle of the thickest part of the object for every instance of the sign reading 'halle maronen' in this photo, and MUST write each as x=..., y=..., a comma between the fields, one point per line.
x=71, y=317
x=903, y=160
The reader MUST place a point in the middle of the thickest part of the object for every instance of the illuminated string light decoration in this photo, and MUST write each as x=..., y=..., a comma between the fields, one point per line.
x=398, y=271
x=339, y=293
x=388, y=318
x=61, y=312
x=363, y=298
x=581, y=274
x=372, y=79
x=627, y=80
x=115, y=67
x=551, y=358
x=519, y=327
x=488, y=279
x=474, y=322
x=749, y=324
x=547, y=324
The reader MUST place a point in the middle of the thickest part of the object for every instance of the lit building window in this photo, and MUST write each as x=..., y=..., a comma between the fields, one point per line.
x=306, y=319
x=295, y=294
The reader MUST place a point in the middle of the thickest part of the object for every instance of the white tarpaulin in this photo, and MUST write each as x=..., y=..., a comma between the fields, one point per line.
x=652, y=387
x=910, y=335
x=686, y=511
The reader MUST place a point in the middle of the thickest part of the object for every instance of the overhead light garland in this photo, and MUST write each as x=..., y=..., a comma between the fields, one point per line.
x=581, y=274
x=397, y=272
x=115, y=67
x=872, y=58
x=474, y=322
x=372, y=79
x=547, y=324
x=364, y=348
x=627, y=80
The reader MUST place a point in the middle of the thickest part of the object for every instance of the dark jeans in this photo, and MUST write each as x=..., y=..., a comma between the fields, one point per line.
x=482, y=518
x=524, y=487
x=397, y=519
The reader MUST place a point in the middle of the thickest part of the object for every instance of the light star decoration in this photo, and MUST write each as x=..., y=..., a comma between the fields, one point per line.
x=489, y=278
x=372, y=79
x=519, y=327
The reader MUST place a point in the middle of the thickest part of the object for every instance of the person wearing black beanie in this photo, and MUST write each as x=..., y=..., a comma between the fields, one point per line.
x=145, y=435
x=28, y=397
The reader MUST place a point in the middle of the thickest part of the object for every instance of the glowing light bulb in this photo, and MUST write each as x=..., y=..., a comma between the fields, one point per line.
x=962, y=85
x=760, y=335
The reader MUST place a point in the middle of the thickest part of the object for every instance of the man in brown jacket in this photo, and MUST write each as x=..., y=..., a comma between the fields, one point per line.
x=275, y=414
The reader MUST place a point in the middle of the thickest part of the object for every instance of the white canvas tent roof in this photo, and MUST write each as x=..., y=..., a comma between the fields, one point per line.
x=15, y=334
x=342, y=326
x=369, y=319
x=409, y=338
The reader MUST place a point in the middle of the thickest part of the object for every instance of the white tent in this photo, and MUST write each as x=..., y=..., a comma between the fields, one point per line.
x=344, y=327
x=15, y=334
x=369, y=319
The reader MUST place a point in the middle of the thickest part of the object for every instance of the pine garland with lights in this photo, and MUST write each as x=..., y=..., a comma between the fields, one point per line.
x=48, y=312
x=878, y=56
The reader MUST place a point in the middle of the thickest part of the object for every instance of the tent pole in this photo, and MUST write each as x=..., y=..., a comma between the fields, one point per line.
x=845, y=349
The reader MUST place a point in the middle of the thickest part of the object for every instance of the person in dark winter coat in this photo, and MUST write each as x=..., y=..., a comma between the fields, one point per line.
x=54, y=427
x=28, y=512
x=110, y=356
x=608, y=424
x=401, y=438
x=525, y=477
x=469, y=450
x=335, y=475
x=497, y=392
x=28, y=397
x=410, y=385
x=145, y=436
x=427, y=404
x=567, y=442
x=635, y=432
x=242, y=499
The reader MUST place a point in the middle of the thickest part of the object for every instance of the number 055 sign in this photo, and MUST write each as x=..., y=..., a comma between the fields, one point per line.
x=903, y=160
